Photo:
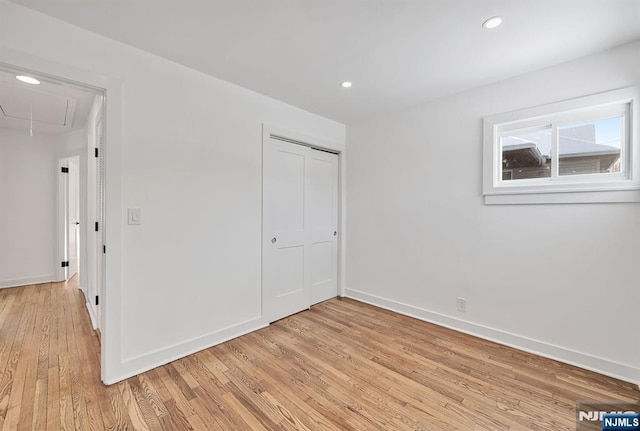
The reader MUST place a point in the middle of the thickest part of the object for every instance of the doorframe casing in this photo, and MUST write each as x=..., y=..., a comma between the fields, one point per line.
x=295, y=137
x=96, y=208
x=112, y=367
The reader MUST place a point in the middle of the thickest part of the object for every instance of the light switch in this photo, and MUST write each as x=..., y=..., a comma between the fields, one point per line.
x=134, y=216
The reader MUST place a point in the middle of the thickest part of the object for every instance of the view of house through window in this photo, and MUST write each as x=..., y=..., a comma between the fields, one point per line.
x=585, y=148
x=590, y=148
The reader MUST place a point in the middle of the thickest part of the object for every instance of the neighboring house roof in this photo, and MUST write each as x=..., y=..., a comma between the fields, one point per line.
x=573, y=148
x=524, y=154
x=574, y=142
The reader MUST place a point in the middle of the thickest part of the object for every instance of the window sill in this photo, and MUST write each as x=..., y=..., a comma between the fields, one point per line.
x=577, y=197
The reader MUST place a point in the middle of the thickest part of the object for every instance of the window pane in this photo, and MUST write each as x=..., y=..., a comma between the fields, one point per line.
x=526, y=154
x=590, y=148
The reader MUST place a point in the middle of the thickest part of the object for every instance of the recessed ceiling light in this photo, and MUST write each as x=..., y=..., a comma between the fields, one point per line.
x=346, y=84
x=492, y=22
x=28, y=79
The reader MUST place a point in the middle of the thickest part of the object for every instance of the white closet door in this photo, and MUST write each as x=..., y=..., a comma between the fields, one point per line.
x=322, y=191
x=299, y=263
x=286, y=288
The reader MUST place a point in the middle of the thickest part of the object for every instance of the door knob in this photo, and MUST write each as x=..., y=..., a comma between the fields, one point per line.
x=77, y=223
x=335, y=233
x=273, y=240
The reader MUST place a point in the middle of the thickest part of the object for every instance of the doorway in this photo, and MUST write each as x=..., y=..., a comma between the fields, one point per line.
x=63, y=120
x=300, y=225
x=69, y=217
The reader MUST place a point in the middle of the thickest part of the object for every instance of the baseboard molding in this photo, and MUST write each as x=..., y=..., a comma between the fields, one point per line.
x=48, y=278
x=579, y=359
x=139, y=364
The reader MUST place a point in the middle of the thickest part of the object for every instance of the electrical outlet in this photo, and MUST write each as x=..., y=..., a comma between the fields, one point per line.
x=461, y=304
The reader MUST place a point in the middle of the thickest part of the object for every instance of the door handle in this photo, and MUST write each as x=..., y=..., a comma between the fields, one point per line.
x=335, y=233
x=77, y=223
x=273, y=240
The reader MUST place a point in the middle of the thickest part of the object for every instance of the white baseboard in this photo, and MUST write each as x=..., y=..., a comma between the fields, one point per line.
x=139, y=364
x=572, y=357
x=48, y=278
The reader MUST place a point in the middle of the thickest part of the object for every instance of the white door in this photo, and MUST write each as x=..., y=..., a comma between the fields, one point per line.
x=73, y=217
x=300, y=187
x=322, y=189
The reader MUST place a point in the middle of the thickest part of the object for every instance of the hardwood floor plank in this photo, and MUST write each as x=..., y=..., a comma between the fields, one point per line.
x=152, y=395
x=197, y=424
x=178, y=398
x=213, y=364
x=132, y=408
x=226, y=418
x=28, y=391
x=67, y=418
x=179, y=380
x=114, y=412
x=54, y=311
x=176, y=419
x=144, y=404
x=39, y=419
x=53, y=400
x=249, y=421
x=342, y=365
x=206, y=416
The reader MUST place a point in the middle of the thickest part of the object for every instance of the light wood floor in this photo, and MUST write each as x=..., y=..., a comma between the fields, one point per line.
x=341, y=366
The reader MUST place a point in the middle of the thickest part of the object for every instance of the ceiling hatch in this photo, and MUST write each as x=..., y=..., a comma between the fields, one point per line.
x=51, y=109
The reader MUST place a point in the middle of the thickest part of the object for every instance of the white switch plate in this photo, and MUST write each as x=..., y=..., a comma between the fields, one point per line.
x=461, y=304
x=134, y=216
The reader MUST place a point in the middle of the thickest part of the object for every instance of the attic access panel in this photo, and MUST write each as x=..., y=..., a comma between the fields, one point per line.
x=15, y=103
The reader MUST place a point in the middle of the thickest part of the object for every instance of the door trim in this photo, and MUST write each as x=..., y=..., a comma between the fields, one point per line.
x=271, y=131
x=113, y=368
x=304, y=144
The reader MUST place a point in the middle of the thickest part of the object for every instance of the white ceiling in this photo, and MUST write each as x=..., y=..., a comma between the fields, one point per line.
x=398, y=53
x=57, y=108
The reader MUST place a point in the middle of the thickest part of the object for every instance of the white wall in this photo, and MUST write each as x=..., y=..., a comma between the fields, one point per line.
x=71, y=143
x=186, y=149
x=561, y=280
x=27, y=208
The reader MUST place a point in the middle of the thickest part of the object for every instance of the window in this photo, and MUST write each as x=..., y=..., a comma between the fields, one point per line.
x=580, y=150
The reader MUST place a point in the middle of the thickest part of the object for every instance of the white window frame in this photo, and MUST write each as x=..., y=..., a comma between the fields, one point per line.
x=603, y=187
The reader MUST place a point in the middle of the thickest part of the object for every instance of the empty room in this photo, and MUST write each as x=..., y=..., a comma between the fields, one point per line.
x=320, y=215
